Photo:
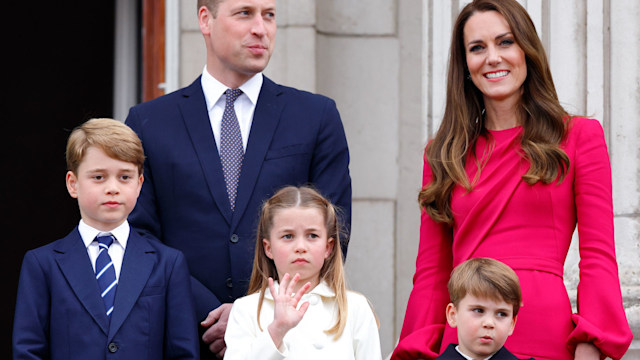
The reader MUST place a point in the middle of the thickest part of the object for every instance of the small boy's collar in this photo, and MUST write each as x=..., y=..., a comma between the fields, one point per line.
x=470, y=358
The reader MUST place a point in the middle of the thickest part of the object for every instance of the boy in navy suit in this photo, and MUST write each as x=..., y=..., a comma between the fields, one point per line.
x=104, y=291
x=485, y=299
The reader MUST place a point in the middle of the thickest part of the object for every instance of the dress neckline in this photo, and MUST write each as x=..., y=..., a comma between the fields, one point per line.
x=505, y=133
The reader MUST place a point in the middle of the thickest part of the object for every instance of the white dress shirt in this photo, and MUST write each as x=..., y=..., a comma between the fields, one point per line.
x=116, y=250
x=244, y=105
x=359, y=341
x=469, y=357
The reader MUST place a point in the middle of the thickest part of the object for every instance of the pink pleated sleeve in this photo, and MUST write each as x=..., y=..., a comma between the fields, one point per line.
x=600, y=318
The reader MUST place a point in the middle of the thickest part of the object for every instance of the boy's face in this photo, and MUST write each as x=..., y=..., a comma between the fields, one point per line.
x=483, y=324
x=107, y=189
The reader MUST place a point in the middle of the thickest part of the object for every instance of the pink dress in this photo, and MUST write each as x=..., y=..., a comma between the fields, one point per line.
x=529, y=228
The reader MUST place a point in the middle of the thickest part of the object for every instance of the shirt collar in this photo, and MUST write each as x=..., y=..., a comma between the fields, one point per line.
x=322, y=289
x=468, y=357
x=214, y=89
x=88, y=233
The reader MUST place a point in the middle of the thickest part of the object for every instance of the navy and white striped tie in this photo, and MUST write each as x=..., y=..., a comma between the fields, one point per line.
x=106, y=273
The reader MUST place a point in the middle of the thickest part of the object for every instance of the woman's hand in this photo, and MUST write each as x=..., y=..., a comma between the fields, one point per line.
x=286, y=315
x=587, y=351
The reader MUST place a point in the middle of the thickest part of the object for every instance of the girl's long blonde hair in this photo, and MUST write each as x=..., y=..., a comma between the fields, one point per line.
x=332, y=270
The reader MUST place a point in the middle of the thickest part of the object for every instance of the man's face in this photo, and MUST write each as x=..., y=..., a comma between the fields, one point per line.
x=240, y=38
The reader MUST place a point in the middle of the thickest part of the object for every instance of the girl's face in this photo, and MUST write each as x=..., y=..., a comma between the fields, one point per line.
x=298, y=243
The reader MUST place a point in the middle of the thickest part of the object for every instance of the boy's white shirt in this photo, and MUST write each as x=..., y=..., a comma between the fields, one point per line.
x=468, y=357
x=359, y=341
x=116, y=250
x=244, y=106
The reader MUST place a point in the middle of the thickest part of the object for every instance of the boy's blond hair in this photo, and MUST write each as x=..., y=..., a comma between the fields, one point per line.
x=113, y=137
x=485, y=278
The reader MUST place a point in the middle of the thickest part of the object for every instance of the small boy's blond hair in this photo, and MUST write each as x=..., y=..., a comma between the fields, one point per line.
x=113, y=137
x=485, y=278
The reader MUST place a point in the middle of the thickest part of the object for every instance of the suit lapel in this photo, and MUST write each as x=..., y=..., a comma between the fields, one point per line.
x=504, y=354
x=265, y=121
x=450, y=353
x=193, y=108
x=73, y=260
x=137, y=264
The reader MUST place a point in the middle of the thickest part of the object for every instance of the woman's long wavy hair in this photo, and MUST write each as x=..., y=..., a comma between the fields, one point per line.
x=542, y=116
x=332, y=270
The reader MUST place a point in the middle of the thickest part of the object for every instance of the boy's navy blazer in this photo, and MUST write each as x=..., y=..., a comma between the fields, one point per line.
x=60, y=314
x=450, y=353
x=296, y=138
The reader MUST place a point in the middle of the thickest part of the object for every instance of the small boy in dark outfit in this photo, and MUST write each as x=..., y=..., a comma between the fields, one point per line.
x=485, y=299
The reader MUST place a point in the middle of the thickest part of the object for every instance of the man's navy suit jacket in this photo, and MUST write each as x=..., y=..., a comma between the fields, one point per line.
x=60, y=314
x=296, y=138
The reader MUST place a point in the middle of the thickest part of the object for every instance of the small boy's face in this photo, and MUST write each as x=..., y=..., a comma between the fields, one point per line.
x=483, y=325
x=107, y=189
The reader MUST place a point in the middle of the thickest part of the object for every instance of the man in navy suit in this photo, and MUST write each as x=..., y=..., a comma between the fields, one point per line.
x=289, y=137
x=104, y=291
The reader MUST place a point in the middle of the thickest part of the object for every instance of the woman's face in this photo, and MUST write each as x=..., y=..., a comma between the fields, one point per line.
x=496, y=62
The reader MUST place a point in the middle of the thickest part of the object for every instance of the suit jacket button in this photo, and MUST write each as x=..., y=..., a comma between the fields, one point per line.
x=113, y=347
x=229, y=283
x=234, y=238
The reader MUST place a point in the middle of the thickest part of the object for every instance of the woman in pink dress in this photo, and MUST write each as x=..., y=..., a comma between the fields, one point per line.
x=508, y=175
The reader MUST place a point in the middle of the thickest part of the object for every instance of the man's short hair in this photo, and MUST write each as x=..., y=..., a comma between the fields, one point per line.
x=485, y=278
x=212, y=5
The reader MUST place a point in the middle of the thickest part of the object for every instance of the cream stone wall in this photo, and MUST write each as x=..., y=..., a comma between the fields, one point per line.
x=384, y=62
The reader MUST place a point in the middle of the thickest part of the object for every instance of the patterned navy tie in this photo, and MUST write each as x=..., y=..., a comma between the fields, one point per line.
x=106, y=273
x=231, y=150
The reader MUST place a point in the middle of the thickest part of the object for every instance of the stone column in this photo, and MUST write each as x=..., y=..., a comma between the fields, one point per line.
x=622, y=102
x=358, y=66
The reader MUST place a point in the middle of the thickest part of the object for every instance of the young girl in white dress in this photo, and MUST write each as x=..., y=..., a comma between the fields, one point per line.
x=298, y=307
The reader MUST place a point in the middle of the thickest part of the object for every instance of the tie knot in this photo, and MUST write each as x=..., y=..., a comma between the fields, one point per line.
x=233, y=94
x=105, y=240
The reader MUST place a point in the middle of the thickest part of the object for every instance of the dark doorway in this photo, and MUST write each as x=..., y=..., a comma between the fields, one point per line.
x=60, y=73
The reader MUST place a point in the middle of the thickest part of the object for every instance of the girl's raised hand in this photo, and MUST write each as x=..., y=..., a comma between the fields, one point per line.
x=286, y=314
